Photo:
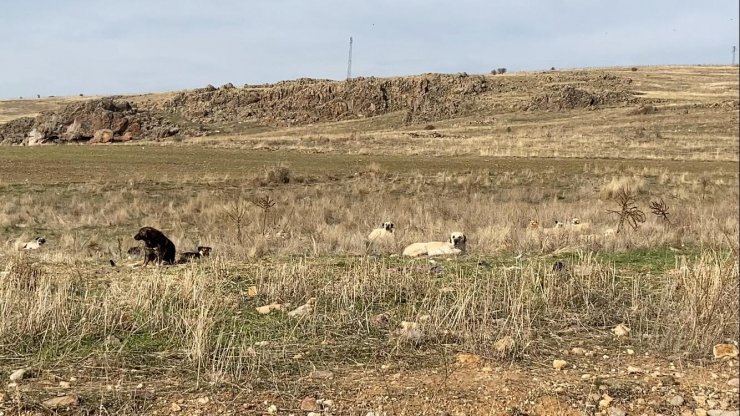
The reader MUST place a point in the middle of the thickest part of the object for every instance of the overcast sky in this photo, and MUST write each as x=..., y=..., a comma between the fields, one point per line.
x=63, y=47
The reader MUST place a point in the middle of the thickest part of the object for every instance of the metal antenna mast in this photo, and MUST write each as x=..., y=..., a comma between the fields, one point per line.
x=733, y=54
x=349, y=61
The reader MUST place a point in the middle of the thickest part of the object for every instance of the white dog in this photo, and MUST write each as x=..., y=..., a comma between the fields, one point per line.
x=455, y=245
x=34, y=244
x=577, y=225
x=385, y=232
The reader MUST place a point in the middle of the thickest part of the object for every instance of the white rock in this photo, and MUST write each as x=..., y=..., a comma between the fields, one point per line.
x=303, y=310
x=559, y=364
x=733, y=382
x=272, y=409
x=621, y=330
x=18, y=374
x=634, y=370
x=676, y=400
x=616, y=411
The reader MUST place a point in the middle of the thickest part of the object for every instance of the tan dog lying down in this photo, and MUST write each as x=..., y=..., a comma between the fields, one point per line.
x=385, y=232
x=455, y=245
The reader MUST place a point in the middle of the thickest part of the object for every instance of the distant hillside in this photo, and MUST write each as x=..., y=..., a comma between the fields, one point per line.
x=418, y=99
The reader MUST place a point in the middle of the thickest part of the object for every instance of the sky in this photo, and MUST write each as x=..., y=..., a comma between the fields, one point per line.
x=93, y=47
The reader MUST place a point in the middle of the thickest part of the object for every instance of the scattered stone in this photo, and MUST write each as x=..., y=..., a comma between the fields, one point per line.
x=559, y=364
x=578, y=351
x=18, y=375
x=733, y=382
x=616, y=411
x=725, y=351
x=175, y=407
x=264, y=310
x=410, y=332
x=380, y=320
x=252, y=291
x=718, y=412
x=308, y=404
x=303, y=310
x=630, y=351
x=62, y=402
x=468, y=358
x=203, y=400
x=606, y=401
x=102, y=136
x=261, y=343
x=313, y=414
x=621, y=330
x=676, y=400
x=319, y=374
x=634, y=370
x=64, y=384
x=272, y=409
x=504, y=345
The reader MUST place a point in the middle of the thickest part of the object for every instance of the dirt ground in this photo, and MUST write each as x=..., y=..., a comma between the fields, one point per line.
x=603, y=376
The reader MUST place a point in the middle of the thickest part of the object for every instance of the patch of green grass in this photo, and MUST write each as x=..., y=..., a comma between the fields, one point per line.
x=655, y=260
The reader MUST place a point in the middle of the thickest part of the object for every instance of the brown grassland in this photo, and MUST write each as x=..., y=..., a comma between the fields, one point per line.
x=188, y=339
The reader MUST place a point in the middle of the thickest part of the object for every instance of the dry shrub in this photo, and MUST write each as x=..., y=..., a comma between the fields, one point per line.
x=275, y=175
x=617, y=184
x=696, y=307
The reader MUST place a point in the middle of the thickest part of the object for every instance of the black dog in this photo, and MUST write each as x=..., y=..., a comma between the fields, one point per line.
x=203, y=251
x=159, y=248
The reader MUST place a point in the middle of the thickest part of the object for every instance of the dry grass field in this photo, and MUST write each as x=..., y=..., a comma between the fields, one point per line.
x=352, y=328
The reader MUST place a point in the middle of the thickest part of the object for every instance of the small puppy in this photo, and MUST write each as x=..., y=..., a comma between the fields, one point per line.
x=157, y=247
x=454, y=246
x=384, y=232
x=203, y=251
x=35, y=244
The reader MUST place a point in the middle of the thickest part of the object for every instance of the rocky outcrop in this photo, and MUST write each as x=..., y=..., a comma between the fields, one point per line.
x=420, y=99
x=95, y=121
x=305, y=101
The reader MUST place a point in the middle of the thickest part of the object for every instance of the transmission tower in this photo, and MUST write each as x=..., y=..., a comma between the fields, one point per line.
x=733, y=54
x=349, y=61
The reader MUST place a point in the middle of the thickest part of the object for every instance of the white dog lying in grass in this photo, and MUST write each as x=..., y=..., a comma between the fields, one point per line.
x=35, y=244
x=455, y=245
x=385, y=232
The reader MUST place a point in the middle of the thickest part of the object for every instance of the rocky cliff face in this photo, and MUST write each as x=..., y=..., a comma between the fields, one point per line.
x=306, y=101
x=423, y=98
x=101, y=120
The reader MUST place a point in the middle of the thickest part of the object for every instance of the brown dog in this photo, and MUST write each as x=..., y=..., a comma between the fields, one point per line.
x=159, y=248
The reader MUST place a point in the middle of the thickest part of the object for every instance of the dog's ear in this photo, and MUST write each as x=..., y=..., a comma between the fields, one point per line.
x=465, y=238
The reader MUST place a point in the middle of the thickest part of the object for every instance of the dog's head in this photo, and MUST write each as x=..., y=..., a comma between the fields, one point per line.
x=204, y=250
x=40, y=240
x=147, y=234
x=458, y=239
x=534, y=224
x=388, y=226
x=558, y=224
x=575, y=221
